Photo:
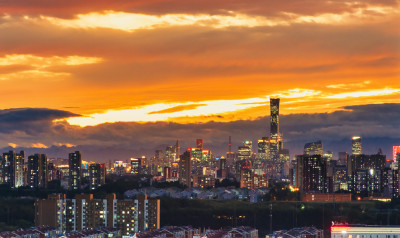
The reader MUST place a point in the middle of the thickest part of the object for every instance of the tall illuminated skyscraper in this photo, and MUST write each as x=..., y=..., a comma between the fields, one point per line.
x=275, y=137
x=274, y=106
x=356, y=145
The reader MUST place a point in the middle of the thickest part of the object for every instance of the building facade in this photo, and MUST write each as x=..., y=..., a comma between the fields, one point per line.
x=84, y=212
x=12, y=168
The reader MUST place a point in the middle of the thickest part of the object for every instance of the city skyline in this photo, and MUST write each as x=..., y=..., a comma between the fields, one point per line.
x=133, y=77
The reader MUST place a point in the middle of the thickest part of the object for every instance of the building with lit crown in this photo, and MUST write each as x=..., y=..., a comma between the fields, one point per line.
x=356, y=145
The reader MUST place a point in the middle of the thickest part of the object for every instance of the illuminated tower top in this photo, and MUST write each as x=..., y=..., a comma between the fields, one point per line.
x=356, y=145
x=274, y=105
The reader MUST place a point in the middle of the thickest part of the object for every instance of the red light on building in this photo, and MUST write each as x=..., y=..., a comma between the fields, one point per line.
x=342, y=229
x=396, y=150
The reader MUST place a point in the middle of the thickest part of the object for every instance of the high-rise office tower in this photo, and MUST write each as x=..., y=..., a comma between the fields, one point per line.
x=75, y=170
x=169, y=156
x=13, y=168
x=97, y=175
x=275, y=137
x=37, y=175
x=185, y=169
x=136, y=165
x=245, y=151
x=356, y=145
x=274, y=106
x=230, y=156
x=314, y=148
x=177, y=151
x=263, y=148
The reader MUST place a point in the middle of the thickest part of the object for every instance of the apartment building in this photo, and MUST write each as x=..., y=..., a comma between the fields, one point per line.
x=83, y=212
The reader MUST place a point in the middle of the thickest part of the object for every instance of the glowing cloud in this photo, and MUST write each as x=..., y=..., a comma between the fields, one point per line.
x=39, y=145
x=13, y=145
x=38, y=66
x=381, y=92
x=65, y=144
x=42, y=62
x=134, y=21
x=167, y=112
x=152, y=113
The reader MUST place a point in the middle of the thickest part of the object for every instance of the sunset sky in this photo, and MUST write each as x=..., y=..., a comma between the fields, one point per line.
x=134, y=75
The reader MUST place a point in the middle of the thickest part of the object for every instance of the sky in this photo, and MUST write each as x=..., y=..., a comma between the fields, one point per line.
x=117, y=79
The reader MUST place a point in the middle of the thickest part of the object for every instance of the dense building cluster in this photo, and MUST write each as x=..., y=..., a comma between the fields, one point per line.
x=359, y=174
x=38, y=170
x=314, y=172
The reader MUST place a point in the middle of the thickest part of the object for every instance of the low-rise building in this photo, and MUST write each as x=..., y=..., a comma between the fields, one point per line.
x=304, y=232
x=362, y=231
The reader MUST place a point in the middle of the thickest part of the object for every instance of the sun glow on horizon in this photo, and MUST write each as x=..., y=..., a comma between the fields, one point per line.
x=205, y=111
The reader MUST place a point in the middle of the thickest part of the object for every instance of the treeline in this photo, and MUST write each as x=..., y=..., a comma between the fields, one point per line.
x=16, y=213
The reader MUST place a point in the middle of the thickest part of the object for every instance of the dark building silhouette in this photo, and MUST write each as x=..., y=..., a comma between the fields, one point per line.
x=97, y=175
x=311, y=174
x=367, y=173
x=185, y=169
x=75, y=170
x=37, y=174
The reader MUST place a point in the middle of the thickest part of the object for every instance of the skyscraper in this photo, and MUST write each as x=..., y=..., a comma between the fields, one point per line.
x=274, y=104
x=263, y=148
x=313, y=148
x=185, y=169
x=245, y=151
x=275, y=137
x=75, y=170
x=13, y=168
x=37, y=175
x=136, y=165
x=356, y=145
